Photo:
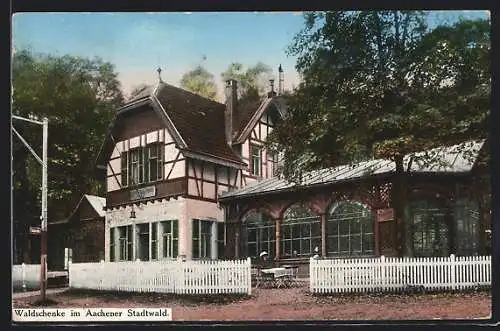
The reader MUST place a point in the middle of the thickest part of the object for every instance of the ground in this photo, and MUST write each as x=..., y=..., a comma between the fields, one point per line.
x=287, y=304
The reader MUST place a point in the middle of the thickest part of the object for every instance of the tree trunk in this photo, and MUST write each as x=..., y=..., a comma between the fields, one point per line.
x=398, y=202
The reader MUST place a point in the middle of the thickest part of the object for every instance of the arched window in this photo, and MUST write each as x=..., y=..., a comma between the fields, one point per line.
x=300, y=232
x=259, y=232
x=350, y=230
x=427, y=229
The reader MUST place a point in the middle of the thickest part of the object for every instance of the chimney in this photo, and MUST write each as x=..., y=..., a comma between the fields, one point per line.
x=280, y=81
x=231, y=100
x=271, y=93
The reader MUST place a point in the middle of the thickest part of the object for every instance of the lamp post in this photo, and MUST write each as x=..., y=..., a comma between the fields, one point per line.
x=43, y=216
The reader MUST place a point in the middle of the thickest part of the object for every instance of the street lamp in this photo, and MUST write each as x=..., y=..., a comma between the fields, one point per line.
x=43, y=216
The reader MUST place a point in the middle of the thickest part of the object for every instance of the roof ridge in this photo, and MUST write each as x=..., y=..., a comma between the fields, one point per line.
x=163, y=84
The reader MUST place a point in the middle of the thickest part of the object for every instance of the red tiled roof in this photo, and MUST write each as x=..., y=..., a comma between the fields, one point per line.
x=200, y=121
x=243, y=114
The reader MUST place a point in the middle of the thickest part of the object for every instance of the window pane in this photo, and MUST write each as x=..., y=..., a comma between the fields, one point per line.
x=286, y=233
x=305, y=247
x=344, y=243
x=220, y=231
x=356, y=225
x=196, y=229
x=175, y=248
x=252, y=250
x=316, y=229
x=287, y=248
x=355, y=243
x=305, y=230
x=332, y=227
x=252, y=235
x=332, y=244
x=124, y=168
x=343, y=226
x=368, y=243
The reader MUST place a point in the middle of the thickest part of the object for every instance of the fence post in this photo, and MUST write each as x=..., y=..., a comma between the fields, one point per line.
x=249, y=273
x=23, y=275
x=453, y=271
x=311, y=275
x=383, y=273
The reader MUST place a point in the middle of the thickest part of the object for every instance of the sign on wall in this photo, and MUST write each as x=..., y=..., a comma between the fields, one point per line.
x=384, y=215
x=143, y=192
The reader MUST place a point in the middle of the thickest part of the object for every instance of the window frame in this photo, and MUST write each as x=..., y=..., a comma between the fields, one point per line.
x=142, y=165
x=366, y=233
x=173, y=247
x=253, y=158
x=203, y=240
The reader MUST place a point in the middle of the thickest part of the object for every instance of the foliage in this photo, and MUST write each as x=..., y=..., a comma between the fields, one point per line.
x=136, y=90
x=252, y=82
x=380, y=84
x=201, y=82
x=79, y=97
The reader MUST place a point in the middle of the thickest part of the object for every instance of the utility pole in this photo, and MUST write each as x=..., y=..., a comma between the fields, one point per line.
x=43, y=216
x=43, y=234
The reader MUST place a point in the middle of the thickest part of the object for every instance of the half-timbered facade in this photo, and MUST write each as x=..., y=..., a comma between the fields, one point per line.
x=168, y=156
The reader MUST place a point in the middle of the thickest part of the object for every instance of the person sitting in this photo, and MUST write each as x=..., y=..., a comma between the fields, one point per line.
x=316, y=253
x=265, y=261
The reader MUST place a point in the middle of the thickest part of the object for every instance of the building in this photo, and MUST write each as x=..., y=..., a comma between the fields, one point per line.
x=346, y=211
x=79, y=237
x=167, y=157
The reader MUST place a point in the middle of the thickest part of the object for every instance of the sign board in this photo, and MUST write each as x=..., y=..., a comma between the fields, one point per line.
x=35, y=230
x=143, y=192
x=384, y=215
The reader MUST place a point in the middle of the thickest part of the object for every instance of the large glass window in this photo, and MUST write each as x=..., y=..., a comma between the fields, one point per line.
x=125, y=242
x=221, y=239
x=142, y=165
x=430, y=224
x=259, y=233
x=202, y=239
x=427, y=229
x=112, y=244
x=349, y=230
x=256, y=157
x=143, y=242
x=300, y=232
x=170, y=238
x=154, y=241
x=466, y=216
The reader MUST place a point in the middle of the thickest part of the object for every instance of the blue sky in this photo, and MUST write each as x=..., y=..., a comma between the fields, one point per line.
x=137, y=43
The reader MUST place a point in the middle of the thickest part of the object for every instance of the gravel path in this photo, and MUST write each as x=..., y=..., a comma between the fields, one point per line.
x=288, y=304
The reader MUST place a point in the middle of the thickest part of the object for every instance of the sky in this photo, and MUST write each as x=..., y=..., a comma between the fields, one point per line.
x=138, y=43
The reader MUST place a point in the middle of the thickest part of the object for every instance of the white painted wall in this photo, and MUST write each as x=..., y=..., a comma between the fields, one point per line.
x=204, y=210
x=173, y=209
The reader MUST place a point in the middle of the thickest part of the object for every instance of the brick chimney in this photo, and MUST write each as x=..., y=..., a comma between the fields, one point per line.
x=231, y=100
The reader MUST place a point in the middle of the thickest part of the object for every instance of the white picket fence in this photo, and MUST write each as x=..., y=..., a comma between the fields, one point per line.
x=396, y=274
x=188, y=277
x=25, y=276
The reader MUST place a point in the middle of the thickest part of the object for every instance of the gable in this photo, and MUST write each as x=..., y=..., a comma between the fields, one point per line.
x=89, y=207
x=273, y=107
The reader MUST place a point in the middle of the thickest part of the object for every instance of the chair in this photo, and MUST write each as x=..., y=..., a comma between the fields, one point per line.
x=291, y=275
x=268, y=279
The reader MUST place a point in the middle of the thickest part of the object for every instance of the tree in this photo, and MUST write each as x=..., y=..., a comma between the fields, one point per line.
x=136, y=90
x=252, y=82
x=379, y=84
x=201, y=82
x=79, y=97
